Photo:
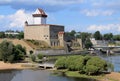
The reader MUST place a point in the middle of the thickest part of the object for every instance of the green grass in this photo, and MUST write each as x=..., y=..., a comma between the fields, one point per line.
x=76, y=74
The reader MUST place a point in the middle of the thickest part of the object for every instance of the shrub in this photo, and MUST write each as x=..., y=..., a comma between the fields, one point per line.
x=95, y=65
x=61, y=63
x=40, y=56
x=91, y=69
x=83, y=64
x=33, y=58
x=11, y=58
x=31, y=52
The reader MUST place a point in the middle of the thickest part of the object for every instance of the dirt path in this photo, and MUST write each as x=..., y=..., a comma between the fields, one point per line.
x=4, y=66
x=113, y=76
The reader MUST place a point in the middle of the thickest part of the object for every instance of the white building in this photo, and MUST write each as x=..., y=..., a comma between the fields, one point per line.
x=39, y=17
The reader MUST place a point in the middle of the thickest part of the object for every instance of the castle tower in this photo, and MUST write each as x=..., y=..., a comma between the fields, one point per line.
x=39, y=17
x=61, y=38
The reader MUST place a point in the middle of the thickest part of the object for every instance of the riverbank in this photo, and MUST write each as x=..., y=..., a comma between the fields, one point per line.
x=4, y=66
x=113, y=76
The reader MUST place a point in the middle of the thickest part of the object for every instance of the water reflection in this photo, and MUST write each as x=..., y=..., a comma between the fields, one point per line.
x=35, y=75
x=115, y=60
x=7, y=75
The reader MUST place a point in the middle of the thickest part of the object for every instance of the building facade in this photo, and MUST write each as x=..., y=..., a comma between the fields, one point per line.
x=53, y=35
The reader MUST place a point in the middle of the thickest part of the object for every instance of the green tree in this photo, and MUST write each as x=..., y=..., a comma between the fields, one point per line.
x=20, y=35
x=84, y=36
x=19, y=52
x=95, y=65
x=6, y=50
x=11, y=53
x=108, y=36
x=84, y=64
x=40, y=56
x=116, y=37
x=2, y=35
x=33, y=58
x=61, y=63
x=75, y=63
x=31, y=52
x=88, y=44
x=70, y=34
x=97, y=35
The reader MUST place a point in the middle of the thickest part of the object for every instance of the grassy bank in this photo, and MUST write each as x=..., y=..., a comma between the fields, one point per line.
x=113, y=76
x=76, y=74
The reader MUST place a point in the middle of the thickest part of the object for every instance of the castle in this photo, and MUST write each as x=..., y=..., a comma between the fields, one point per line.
x=53, y=35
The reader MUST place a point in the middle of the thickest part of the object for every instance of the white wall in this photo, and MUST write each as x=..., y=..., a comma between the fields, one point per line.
x=39, y=20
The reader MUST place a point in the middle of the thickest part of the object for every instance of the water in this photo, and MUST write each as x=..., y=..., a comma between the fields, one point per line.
x=34, y=75
x=42, y=75
x=114, y=59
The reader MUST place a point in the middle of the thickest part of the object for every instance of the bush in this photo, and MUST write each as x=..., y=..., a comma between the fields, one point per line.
x=70, y=63
x=75, y=63
x=83, y=64
x=95, y=65
x=33, y=58
x=31, y=52
x=11, y=58
x=91, y=69
x=10, y=53
x=60, y=63
x=40, y=56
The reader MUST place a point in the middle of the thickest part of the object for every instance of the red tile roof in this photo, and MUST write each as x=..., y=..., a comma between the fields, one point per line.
x=42, y=13
x=61, y=32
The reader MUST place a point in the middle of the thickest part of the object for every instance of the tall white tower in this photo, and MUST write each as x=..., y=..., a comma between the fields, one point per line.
x=39, y=17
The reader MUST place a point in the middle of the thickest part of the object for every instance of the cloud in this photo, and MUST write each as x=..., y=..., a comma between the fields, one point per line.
x=18, y=19
x=1, y=17
x=95, y=12
x=104, y=28
x=15, y=20
x=49, y=5
x=101, y=7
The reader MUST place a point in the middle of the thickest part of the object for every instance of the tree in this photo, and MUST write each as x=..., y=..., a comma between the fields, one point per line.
x=97, y=35
x=21, y=35
x=116, y=37
x=11, y=53
x=2, y=35
x=95, y=65
x=19, y=52
x=88, y=44
x=31, y=52
x=70, y=34
x=40, y=56
x=84, y=64
x=33, y=58
x=61, y=63
x=108, y=36
x=84, y=36
x=6, y=50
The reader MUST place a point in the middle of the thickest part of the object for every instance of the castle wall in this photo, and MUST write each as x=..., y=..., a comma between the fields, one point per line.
x=47, y=33
x=40, y=32
x=54, y=37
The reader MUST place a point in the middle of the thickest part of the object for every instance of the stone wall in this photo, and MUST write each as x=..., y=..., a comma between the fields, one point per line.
x=47, y=33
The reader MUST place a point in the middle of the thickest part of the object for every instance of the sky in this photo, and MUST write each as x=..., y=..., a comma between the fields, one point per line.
x=78, y=15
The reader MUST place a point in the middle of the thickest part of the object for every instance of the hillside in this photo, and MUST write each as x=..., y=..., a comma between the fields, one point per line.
x=21, y=42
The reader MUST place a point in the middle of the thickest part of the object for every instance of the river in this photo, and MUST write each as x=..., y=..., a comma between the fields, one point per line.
x=34, y=75
x=45, y=75
x=114, y=59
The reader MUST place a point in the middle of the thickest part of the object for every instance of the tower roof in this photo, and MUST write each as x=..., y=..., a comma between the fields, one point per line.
x=39, y=13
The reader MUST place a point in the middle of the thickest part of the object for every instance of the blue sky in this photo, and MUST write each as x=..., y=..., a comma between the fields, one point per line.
x=79, y=15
